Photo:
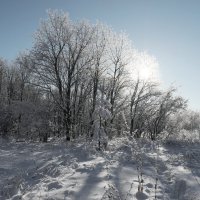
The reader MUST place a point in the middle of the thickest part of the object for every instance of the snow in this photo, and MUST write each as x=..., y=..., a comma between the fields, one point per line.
x=74, y=171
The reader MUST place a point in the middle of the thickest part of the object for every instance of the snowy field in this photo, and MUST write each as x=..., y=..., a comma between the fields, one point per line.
x=78, y=172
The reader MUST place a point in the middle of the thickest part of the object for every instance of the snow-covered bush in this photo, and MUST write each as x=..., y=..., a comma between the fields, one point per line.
x=184, y=136
x=100, y=116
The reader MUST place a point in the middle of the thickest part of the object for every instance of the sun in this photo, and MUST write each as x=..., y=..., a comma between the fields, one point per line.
x=145, y=73
x=147, y=67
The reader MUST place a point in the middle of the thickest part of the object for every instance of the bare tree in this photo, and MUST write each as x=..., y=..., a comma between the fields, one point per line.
x=119, y=55
x=60, y=52
x=141, y=96
x=167, y=104
x=2, y=80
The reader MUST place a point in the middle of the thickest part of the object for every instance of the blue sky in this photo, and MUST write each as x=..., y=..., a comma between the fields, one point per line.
x=167, y=29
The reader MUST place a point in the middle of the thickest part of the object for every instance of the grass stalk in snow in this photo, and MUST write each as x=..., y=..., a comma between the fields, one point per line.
x=156, y=168
x=139, y=159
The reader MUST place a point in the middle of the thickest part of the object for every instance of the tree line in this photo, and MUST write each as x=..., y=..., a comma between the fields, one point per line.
x=76, y=81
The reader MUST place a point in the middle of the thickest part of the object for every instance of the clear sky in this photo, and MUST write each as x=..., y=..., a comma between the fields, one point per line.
x=167, y=29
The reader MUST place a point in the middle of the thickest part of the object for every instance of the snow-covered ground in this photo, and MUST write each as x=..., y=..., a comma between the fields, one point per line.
x=78, y=172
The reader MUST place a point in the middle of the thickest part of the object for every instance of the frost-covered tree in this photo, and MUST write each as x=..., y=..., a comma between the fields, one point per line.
x=159, y=115
x=59, y=54
x=119, y=55
x=141, y=98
